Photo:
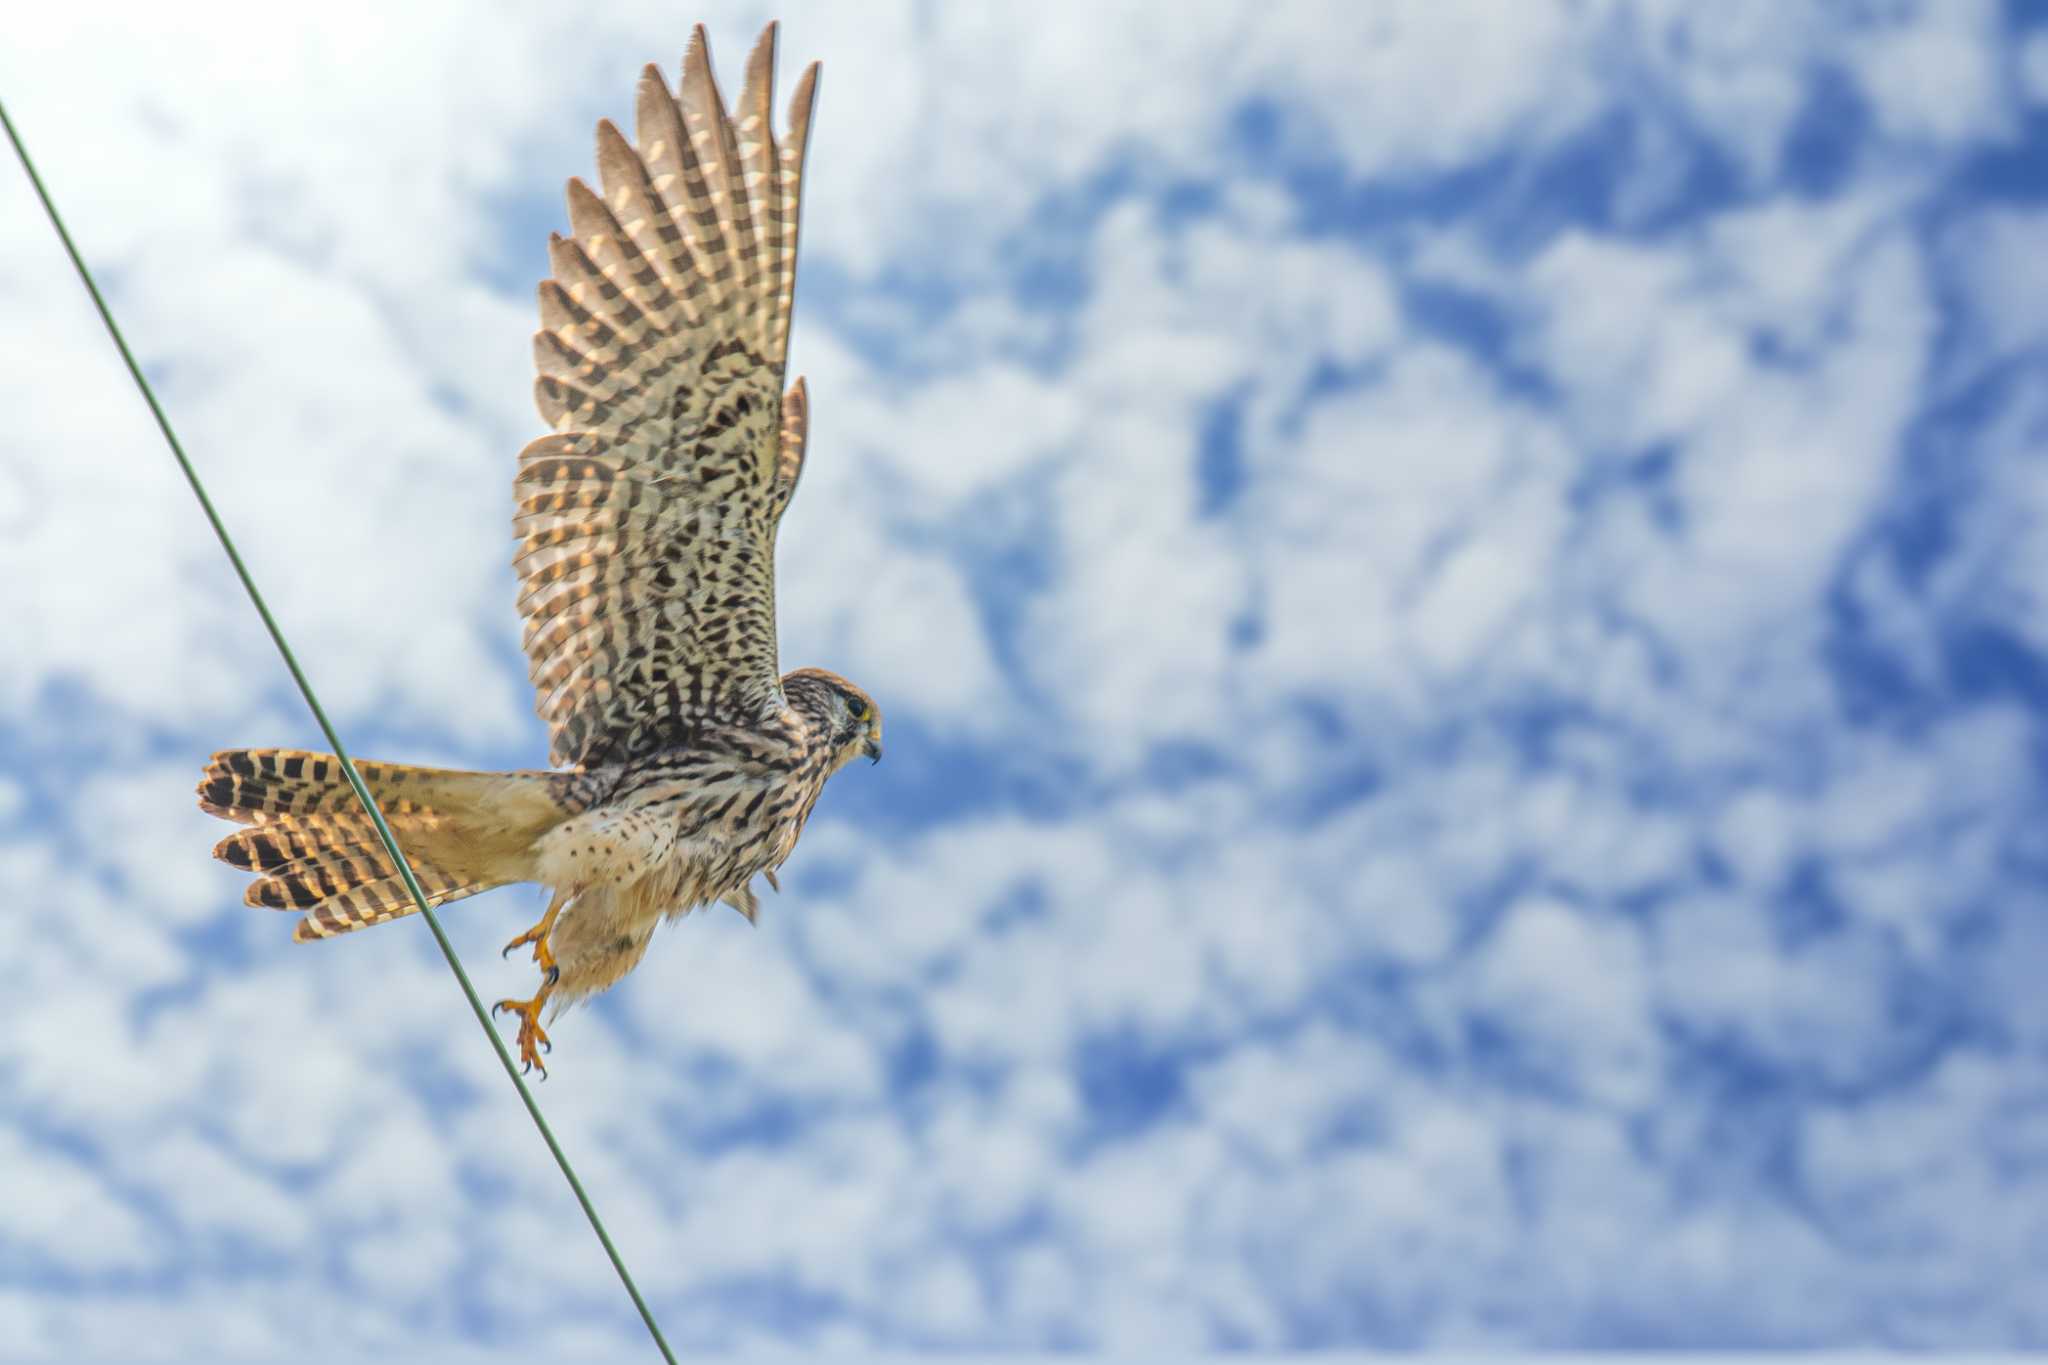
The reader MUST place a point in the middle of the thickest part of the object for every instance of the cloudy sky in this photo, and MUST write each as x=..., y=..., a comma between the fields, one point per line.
x=1459, y=594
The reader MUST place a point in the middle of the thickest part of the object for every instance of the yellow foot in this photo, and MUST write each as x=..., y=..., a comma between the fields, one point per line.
x=533, y=1039
x=538, y=937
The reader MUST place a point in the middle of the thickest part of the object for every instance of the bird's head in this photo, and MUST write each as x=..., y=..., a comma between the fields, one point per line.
x=849, y=716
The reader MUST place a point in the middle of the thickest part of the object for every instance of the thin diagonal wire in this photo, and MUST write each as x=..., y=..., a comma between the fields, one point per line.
x=355, y=780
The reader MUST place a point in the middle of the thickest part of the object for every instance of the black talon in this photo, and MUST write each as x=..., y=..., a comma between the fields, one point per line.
x=554, y=974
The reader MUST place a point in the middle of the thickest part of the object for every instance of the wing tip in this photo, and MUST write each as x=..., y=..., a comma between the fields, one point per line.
x=588, y=212
x=803, y=99
x=615, y=155
x=761, y=64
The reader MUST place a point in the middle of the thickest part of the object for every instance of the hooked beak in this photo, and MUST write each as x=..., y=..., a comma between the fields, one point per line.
x=873, y=749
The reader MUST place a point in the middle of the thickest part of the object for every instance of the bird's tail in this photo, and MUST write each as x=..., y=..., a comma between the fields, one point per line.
x=315, y=849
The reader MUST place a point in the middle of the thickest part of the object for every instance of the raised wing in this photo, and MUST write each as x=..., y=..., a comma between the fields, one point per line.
x=647, y=519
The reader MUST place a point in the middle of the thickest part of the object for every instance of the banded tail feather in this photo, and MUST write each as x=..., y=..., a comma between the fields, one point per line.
x=316, y=851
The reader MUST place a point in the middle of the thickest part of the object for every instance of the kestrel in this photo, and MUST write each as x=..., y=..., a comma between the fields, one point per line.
x=646, y=524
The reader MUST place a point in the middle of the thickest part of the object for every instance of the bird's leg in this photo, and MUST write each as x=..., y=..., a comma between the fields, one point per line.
x=533, y=1039
x=538, y=937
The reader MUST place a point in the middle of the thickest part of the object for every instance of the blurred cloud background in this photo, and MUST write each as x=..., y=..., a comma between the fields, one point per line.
x=1458, y=590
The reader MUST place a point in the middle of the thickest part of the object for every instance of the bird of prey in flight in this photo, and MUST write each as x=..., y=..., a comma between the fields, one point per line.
x=685, y=761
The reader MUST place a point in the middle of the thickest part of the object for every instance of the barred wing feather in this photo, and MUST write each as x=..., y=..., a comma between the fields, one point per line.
x=647, y=518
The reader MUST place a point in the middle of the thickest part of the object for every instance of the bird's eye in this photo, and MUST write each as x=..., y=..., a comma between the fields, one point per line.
x=857, y=708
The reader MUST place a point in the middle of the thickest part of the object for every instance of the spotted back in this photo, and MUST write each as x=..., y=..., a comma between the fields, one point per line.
x=647, y=519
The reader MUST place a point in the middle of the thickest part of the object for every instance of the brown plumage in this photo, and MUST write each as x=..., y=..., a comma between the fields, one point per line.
x=646, y=525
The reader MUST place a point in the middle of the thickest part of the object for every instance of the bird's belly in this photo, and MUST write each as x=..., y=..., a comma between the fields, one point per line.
x=663, y=851
x=606, y=927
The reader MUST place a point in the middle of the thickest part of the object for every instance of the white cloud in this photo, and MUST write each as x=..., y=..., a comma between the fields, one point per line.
x=1571, y=996
x=2033, y=66
x=1997, y=257
x=62, y=1213
x=1932, y=71
x=1741, y=69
